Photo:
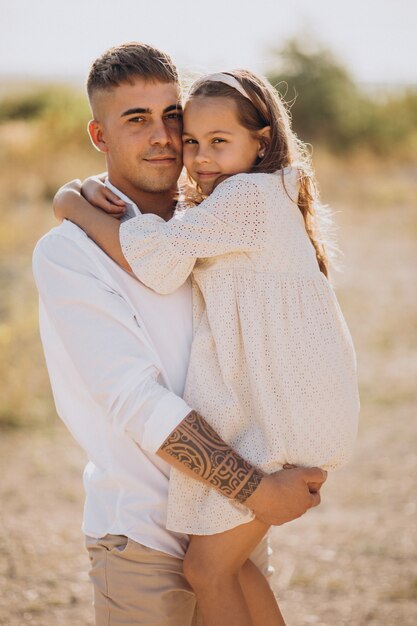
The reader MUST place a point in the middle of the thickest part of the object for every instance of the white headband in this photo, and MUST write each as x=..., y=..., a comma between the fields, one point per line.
x=229, y=80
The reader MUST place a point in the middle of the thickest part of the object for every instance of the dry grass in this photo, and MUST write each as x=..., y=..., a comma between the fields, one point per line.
x=32, y=167
x=351, y=561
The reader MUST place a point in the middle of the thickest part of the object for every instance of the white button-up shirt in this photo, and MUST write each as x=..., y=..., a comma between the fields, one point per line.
x=117, y=355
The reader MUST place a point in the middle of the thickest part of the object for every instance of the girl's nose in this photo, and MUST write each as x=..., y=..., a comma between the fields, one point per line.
x=202, y=157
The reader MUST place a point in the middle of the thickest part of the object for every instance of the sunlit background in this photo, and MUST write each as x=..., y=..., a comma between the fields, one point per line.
x=376, y=40
x=349, y=71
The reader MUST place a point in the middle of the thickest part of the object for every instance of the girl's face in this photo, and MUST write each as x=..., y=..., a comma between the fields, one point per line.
x=215, y=143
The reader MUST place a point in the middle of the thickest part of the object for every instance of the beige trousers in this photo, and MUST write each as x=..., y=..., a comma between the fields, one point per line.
x=136, y=585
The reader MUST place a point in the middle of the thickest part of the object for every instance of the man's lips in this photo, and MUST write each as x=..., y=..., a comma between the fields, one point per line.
x=161, y=160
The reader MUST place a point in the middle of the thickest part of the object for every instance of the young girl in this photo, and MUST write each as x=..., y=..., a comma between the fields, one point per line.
x=272, y=365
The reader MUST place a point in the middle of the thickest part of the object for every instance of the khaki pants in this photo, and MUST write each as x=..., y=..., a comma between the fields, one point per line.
x=135, y=585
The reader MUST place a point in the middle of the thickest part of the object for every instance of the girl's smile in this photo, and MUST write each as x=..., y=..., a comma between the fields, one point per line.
x=215, y=143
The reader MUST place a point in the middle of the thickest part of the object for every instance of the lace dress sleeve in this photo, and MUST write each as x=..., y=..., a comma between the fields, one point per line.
x=162, y=254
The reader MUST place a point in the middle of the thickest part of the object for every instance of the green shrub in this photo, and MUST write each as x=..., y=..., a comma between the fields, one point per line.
x=38, y=101
x=59, y=113
x=328, y=107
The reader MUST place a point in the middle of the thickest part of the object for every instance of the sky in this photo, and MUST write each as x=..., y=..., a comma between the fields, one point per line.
x=375, y=39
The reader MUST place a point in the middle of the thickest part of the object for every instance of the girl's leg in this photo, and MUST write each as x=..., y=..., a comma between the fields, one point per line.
x=260, y=599
x=229, y=590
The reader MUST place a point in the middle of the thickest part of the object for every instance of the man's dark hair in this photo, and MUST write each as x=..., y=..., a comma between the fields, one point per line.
x=123, y=63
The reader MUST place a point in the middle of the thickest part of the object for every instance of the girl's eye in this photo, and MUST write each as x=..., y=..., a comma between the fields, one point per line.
x=189, y=142
x=218, y=140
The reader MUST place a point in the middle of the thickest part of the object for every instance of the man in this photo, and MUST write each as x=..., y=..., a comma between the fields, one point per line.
x=117, y=357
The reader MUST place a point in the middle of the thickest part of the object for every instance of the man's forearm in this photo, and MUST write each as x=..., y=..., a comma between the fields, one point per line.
x=196, y=449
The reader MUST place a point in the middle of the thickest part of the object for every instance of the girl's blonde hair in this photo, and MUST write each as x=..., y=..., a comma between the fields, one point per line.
x=266, y=108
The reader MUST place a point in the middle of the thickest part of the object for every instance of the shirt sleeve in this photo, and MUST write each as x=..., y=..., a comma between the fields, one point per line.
x=101, y=336
x=163, y=254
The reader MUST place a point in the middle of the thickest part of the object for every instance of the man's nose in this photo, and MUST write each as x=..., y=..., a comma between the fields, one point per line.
x=160, y=135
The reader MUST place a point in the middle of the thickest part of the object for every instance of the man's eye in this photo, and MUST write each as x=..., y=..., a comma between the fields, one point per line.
x=136, y=120
x=174, y=116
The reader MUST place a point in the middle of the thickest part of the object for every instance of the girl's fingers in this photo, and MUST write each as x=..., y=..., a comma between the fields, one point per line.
x=114, y=210
x=111, y=197
x=108, y=207
x=105, y=201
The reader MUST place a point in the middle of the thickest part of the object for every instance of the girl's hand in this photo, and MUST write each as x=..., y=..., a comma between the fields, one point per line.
x=95, y=191
x=100, y=226
x=63, y=198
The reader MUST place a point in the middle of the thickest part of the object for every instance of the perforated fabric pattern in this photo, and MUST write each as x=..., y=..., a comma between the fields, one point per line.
x=272, y=366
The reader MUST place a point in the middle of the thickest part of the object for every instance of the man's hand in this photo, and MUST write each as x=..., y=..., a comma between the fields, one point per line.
x=197, y=450
x=287, y=494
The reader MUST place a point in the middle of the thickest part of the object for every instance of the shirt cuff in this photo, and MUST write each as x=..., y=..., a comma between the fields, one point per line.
x=169, y=413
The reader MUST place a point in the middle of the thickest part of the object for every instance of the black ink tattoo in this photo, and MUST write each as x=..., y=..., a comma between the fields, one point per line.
x=199, y=448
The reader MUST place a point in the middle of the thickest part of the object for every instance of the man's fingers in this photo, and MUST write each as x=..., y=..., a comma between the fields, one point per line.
x=314, y=487
x=315, y=499
x=314, y=475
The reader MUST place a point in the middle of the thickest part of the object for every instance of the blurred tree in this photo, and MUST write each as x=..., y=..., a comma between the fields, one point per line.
x=392, y=124
x=328, y=107
x=60, y=112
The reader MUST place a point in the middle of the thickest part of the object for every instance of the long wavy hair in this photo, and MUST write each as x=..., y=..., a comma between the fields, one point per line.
x=266, y=108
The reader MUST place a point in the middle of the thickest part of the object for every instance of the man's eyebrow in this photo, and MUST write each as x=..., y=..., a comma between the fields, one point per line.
x=135, y=111
x=140, y=111
x=173, y=107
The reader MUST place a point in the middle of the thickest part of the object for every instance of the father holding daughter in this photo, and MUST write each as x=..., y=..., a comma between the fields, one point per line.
x=117, y=354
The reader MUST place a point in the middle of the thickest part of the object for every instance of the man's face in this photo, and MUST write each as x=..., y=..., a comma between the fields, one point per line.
x=139, y=127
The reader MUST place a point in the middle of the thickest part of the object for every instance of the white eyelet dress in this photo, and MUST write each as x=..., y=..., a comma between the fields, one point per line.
x=272, y=367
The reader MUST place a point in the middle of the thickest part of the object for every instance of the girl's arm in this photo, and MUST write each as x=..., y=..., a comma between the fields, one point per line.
x=100, y=226
x=163, y=254
x=95, y=191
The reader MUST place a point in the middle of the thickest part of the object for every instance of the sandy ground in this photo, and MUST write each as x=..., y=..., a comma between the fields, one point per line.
x=352, y=561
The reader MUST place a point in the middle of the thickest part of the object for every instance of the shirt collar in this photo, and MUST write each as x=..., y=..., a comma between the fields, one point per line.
x=132, y=210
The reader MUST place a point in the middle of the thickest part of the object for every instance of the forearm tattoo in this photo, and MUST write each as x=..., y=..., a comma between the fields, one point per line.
x=199, y=448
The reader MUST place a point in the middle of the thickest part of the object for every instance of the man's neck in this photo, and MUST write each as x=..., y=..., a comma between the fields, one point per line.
x=162, y=203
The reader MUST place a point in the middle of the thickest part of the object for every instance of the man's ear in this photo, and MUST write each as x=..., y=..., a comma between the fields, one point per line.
x=264, y=136
x=95, y=130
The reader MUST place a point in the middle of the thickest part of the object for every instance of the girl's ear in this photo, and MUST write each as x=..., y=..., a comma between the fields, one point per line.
x=96, y=135
x=264, y=136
